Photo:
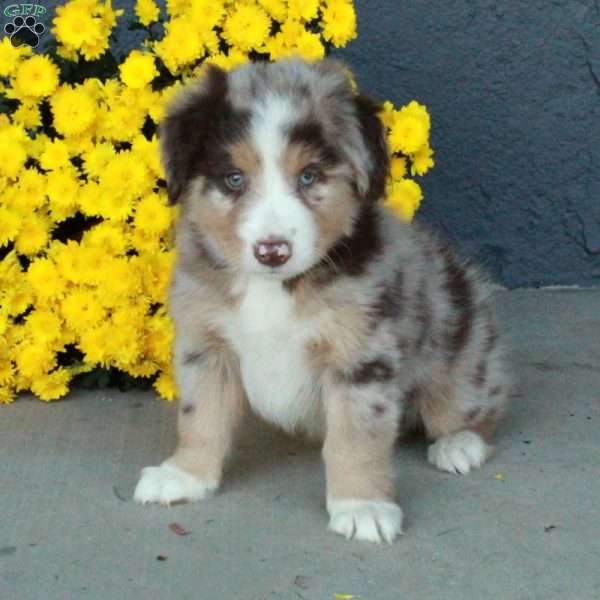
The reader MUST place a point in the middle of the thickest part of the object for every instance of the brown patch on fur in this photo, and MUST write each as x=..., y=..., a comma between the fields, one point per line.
x=460, y=294
x=379, y=410
x=295, y=158
x=217, y=223
x=245, y=157
x=335, y=216
x=372, y=371
x=480, y=373
x=424, y=316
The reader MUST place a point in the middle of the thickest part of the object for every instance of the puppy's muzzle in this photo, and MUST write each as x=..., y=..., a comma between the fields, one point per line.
x=273, y=252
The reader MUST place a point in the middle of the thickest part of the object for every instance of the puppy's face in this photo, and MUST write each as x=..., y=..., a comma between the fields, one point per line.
x=274, y=163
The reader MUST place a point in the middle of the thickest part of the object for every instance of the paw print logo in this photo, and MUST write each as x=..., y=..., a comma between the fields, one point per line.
x=24, y=31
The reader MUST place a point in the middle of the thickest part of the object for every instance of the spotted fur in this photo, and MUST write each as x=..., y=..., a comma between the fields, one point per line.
x=364, y=329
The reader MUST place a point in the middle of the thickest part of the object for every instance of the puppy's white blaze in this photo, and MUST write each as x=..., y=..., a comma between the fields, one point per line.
x=271, y=344
x=276, y=210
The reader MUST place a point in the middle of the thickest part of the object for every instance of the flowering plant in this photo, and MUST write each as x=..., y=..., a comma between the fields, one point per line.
x=86, y=246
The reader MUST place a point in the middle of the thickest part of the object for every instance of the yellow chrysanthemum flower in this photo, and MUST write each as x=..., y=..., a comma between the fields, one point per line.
x=97, y=158
x=109, y=236
x=28, y=114
x=69, y=261
x=10, y=270
x=31, y=189
x=10, y=56
x=398, y=167
x=152, y=215
x=7, y=369
x=180, y=46
x=62, y=188
x=410, y=130
x=73, y=110
x=138, y=69
x=17, y=299
x=36, y=77
x=45, y=280
x=234, y=58
x=12, y=157
x=44, y=326
x=33, y=235
x=93, y=343
x=309, y=46
x=55, y=155
x=165, y=385
x=75, y=24
x=158, y=273
x=9, y=225
x=148, y=151
x=177, y=7
x=247, y=27
x=205, y=14
x=387, y=114
x=34, y=359
x=403, y=198
x=84, y=26
x=291, y=30
x=339, y=22
x=276, y=9
x=147, y=11
x=7, y=394
x=143, y=368
x=303, y=9
x=82, y=309
x=422, y=161
x=52, y=386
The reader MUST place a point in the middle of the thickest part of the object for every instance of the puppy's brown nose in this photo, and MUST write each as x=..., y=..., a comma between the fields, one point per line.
x=272, y=253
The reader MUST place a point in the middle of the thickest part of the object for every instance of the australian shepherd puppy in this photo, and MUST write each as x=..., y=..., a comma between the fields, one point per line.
x=296, y=295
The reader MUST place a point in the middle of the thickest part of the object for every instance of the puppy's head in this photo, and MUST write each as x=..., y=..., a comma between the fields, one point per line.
x=274, y=163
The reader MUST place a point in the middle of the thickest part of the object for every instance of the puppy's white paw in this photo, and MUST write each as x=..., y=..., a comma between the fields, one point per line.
x=459, y=452
x=367, y=520
x=167, y=484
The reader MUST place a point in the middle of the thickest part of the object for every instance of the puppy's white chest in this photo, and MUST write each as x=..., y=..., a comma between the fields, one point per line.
x=271, y=344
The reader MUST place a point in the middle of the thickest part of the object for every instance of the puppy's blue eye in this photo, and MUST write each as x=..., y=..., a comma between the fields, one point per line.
x=234, y=180
x=307, y=177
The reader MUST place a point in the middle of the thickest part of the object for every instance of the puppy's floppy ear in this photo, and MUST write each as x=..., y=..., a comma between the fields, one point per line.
x=373, y=174
x=183, y=132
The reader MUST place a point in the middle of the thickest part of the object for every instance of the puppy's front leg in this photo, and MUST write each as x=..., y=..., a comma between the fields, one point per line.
x=211, y=406
x=361, y=431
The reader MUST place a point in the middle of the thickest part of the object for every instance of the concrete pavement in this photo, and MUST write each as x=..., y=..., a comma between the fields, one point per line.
x=527, y=526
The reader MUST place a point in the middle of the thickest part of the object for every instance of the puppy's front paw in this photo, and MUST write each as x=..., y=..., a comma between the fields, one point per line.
x=167, y=484
x=367, y=520
x=459, y=452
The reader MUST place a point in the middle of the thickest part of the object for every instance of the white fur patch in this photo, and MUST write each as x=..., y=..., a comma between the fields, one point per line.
x=271, y=345
x=459, y=452
x=366, y=520
x=167, y=484
x=276, y=212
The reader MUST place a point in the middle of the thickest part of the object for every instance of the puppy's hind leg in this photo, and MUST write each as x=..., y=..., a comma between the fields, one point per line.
x=461, y=429
x=211, y=406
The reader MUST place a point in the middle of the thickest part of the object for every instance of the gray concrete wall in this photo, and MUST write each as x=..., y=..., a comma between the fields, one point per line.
x=513, y=87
